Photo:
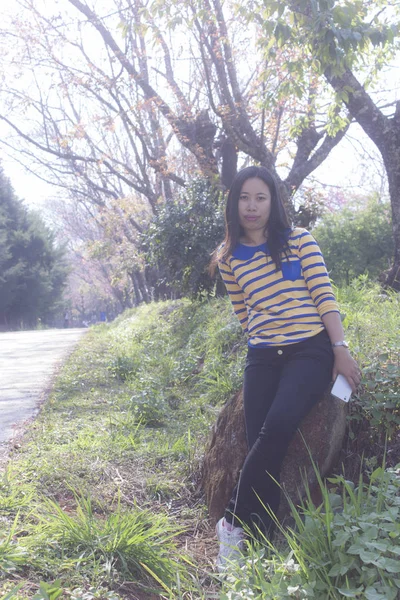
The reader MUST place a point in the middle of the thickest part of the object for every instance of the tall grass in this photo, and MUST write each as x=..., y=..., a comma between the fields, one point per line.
x=128, y=544
x=12, y=554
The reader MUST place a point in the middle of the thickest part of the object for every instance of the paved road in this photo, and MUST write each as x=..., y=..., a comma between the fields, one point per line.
x=28, y=360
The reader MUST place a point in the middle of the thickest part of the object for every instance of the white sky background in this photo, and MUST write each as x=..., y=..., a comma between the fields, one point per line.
x=343, y=167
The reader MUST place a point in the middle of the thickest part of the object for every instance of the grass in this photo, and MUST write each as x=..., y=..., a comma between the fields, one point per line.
x=102, y=499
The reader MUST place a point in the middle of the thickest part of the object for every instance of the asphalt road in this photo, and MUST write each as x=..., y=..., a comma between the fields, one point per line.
x=28, y=361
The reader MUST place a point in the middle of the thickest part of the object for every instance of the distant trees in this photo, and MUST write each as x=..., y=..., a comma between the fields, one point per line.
x=104, y=254
x=32, y=269
x=357, y=240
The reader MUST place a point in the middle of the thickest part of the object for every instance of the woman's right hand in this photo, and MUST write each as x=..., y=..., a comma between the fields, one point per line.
x=344, y=364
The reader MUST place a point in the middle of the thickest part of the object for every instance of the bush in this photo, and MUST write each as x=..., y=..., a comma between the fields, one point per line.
x=372, y=324
x=357, y=240
x=183, y=236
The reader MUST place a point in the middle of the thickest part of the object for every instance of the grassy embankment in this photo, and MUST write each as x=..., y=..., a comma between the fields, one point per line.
x=103, y=495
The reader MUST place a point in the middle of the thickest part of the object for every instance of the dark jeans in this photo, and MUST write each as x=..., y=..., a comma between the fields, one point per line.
x=281, y=385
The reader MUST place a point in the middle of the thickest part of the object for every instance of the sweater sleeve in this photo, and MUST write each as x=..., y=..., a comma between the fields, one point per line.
x=235, y=294
x=316, y=275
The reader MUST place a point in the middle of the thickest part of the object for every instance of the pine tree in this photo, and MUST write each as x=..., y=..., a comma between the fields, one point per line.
x=32, y=268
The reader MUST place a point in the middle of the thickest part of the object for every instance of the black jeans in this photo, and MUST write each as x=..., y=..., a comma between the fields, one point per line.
x=281, y=385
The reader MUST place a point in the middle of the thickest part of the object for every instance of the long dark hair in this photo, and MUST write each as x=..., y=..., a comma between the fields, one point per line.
x=277, y=226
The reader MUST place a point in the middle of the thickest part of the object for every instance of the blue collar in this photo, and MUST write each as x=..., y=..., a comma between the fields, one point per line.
x=243, y=252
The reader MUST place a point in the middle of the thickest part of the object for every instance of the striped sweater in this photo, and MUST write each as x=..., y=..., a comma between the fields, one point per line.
x=279, y=306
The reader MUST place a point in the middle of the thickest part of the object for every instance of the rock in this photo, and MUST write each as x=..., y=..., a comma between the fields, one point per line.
x=323, y=431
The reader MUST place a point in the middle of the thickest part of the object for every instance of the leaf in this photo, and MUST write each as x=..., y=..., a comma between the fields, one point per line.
x=341, y=538
x=382, y=546
x=339, y=569
x=368, y=557
x=372, y=593
x=335, y=571
x=355, y=548
x=390, y=564
x=351, y=593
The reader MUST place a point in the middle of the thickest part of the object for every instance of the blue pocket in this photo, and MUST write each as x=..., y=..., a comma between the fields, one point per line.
x=291, y=269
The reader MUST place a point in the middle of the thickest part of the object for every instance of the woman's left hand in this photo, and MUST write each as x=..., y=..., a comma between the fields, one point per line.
x=345, y=365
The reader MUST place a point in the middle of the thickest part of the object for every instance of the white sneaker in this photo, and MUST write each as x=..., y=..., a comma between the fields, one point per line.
x=231, y=544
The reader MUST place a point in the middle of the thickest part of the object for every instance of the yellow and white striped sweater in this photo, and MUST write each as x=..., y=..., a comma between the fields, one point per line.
x=279, y=306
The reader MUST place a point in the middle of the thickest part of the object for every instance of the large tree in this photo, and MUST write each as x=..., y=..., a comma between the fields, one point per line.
x=164, y=89
x=32, y=269
x=348, y=43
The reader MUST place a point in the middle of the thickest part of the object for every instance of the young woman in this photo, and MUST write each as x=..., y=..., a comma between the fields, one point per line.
x=280, y=290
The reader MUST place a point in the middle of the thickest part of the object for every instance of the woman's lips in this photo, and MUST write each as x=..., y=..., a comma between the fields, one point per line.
x=250, y=218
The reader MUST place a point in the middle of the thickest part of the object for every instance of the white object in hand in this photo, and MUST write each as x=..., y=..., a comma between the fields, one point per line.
x=341, y=388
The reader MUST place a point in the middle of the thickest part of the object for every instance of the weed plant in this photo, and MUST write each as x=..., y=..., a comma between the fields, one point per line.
x=12, y=554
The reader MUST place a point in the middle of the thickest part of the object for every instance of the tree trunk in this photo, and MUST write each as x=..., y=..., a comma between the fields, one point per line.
x=141, y=281
x=391, y=157
x=385, y=133
x=320, y=436
x=229, y=162
x=136, y=289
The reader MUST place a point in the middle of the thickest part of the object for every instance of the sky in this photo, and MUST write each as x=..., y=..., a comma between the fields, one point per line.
x=343, y=168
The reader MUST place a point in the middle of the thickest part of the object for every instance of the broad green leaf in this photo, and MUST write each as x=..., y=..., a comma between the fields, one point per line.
x=341, y=538
x=372, y=593
x=391, y=565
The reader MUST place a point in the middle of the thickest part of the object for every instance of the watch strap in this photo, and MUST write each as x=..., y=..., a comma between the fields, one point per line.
x=342, y=343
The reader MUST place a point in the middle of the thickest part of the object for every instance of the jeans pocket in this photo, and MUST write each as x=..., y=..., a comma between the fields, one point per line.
x=291, y=269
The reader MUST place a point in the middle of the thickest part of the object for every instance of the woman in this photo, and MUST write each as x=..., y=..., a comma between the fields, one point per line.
x=280, y=290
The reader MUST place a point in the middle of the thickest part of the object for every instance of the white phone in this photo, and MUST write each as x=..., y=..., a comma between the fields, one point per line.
x=341, y=388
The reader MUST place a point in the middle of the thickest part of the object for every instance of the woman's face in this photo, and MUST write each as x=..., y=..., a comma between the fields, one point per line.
x=254, y=205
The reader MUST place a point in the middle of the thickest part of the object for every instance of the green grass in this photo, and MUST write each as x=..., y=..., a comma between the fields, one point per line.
x=103, y=500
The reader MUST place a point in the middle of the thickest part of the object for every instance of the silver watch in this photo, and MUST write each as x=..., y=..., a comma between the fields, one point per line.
x=342, y=343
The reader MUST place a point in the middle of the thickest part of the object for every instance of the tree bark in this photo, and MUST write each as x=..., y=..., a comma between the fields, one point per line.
x=229, y=162
x=385, y=133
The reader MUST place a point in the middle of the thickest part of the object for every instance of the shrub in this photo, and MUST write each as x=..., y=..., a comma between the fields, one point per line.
x=357, y=240
x=182, y=237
